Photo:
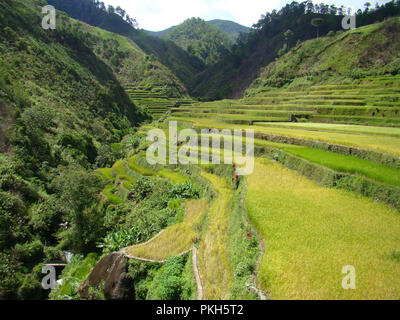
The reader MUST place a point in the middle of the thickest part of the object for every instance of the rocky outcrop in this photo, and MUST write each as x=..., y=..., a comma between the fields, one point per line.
x=111, y=276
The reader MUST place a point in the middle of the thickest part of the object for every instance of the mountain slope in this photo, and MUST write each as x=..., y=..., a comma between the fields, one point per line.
x=62, y=107
x=230, y=27
x=200, y=39
x=266, y=42
x=341, y=59
x=170, y=55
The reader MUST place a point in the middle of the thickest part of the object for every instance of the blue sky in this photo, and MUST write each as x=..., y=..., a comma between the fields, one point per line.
x=156, y=15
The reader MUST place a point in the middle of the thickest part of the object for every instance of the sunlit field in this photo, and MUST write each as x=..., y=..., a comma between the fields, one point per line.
x=215, y=269
x=384, y=144
x=311, y=233
x=175, y=239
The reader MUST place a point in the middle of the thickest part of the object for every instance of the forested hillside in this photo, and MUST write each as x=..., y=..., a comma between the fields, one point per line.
x=62, y=107
x=341, y=58
x=267, y=41
x=200, y=39
x=183, y=65
x=232, y=28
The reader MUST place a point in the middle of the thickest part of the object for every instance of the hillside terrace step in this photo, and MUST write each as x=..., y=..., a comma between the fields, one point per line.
x=253, y=113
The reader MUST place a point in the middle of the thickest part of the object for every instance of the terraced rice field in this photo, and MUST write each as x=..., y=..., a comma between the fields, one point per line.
x=312, y=232
x=376, y=104
x=157, y=102
x=348, y=164
x=386, y=131
x=123, y=175
x=214, y=264
x=382, y=144
x=175, y=239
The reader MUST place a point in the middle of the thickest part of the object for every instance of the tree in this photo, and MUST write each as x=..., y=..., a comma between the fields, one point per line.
x=288, y=35
x=310, y=6
x=110, y=9
x=120, y=11
x=317, y=22
x=367, y=6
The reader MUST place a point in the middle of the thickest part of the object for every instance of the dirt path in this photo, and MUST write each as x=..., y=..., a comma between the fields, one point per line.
x=197, y=274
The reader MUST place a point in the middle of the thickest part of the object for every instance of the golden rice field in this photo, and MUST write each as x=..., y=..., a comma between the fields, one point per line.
x=387, y=131
x=311, y=233
x=175, y=239
x=213, y=254
x=383, y=144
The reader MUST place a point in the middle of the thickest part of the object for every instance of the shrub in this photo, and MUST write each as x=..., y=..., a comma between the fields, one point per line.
x=185, y=190
x=29, y=253
x=142, y=189
x=167, y=284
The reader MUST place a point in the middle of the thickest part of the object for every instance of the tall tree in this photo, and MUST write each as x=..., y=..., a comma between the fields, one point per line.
x=110, y=9
x=288, y=35
x=120, y=11
x=310, y=6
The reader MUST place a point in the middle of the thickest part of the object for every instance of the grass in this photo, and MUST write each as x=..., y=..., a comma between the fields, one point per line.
x=312, y=232
x=348, y=164
x=175, y=239
x=175, y=177
x=139, y=169
x=106, y=173
x=214, y=262
x=113, y=198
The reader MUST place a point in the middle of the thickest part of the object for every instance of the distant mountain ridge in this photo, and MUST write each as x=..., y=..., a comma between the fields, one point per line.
x=230, y=27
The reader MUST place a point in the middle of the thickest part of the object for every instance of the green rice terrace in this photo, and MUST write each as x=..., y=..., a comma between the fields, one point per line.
x=89, y=182
x=374, y=102
x=324, y=193
x=322, y=196
x=157, y=102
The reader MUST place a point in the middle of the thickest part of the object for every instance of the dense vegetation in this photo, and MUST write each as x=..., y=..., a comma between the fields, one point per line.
x=64, y=108
x=232, y=28
x=335, y=59
x=74, y=175
x=201, y=39
x=169, y=54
